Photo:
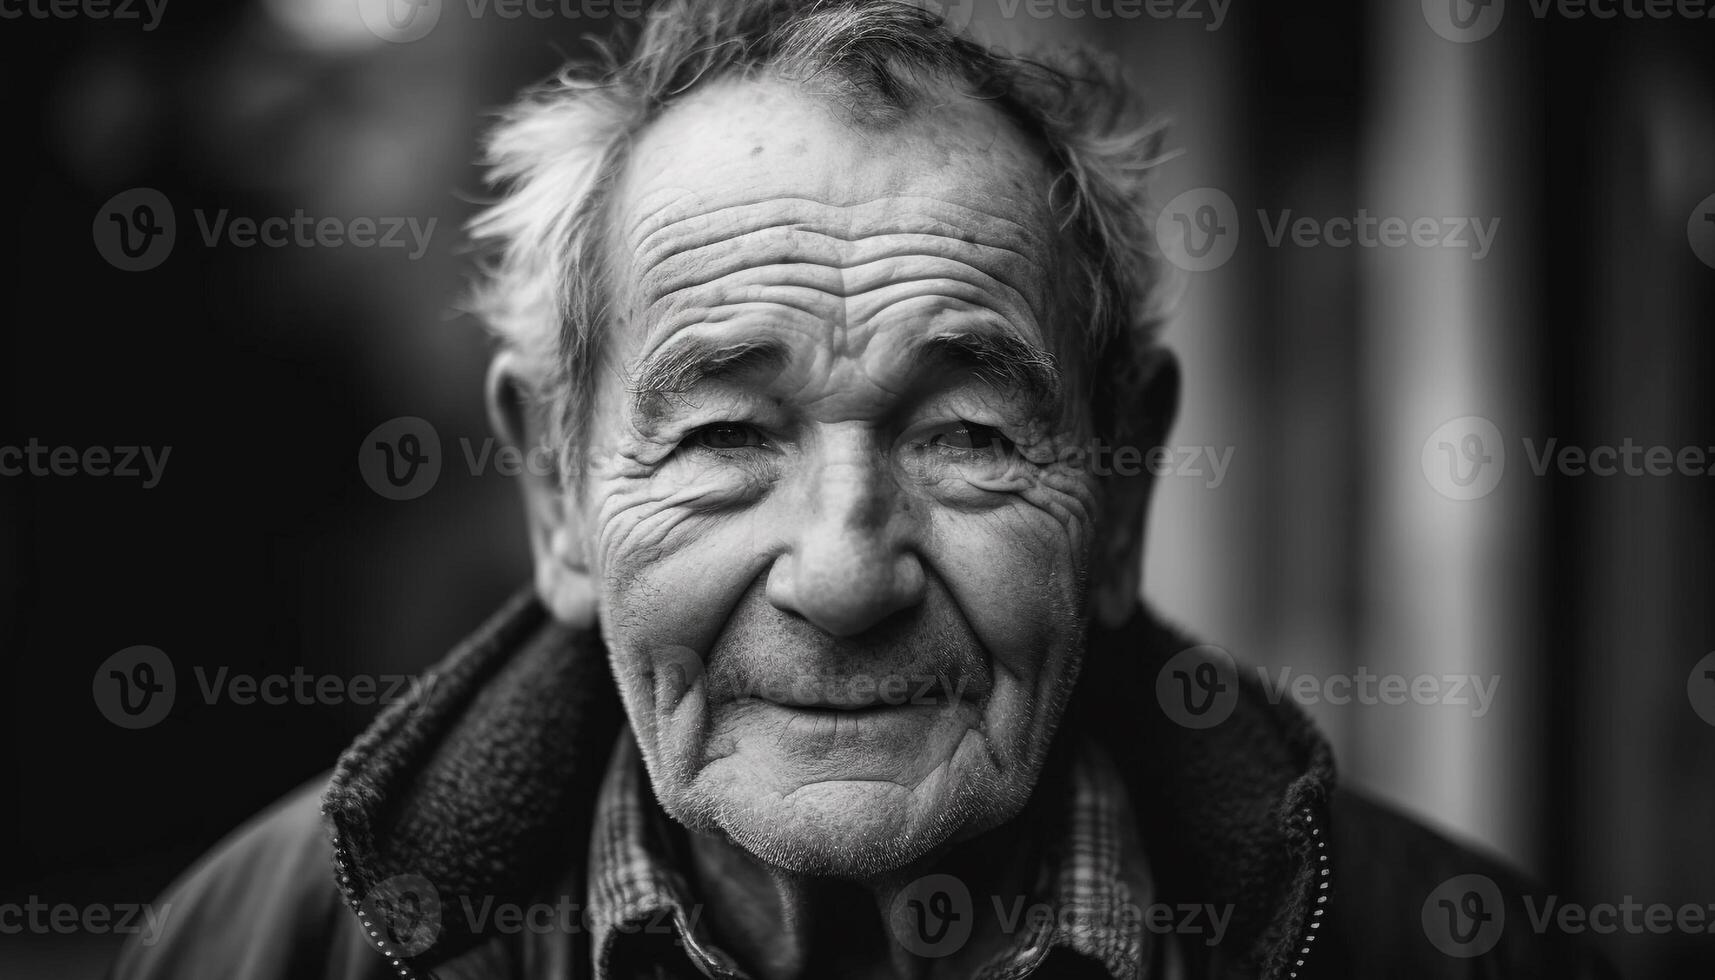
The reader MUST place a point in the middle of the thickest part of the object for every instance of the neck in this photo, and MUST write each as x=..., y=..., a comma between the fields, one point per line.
x=785, y=926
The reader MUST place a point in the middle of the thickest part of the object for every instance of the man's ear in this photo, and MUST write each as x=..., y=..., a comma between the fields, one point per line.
x=559, y=543
x=1117, y=582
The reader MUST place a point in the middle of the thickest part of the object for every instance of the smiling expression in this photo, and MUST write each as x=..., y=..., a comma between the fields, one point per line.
x=842, y=576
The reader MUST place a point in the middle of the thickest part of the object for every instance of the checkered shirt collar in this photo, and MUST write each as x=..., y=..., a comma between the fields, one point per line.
x=1094, y=877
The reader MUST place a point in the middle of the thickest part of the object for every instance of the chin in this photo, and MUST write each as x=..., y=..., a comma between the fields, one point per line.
x=858, y=828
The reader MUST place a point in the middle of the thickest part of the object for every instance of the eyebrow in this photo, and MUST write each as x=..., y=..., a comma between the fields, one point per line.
x=682, y=366
x=1000, y=359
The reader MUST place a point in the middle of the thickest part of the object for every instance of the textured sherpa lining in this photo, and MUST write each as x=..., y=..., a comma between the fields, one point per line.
x=483, y=783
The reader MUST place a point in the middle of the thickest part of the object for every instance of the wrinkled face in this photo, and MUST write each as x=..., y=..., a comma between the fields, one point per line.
x=843, y=591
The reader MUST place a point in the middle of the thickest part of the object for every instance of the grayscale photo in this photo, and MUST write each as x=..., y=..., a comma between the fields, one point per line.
x=859, y=489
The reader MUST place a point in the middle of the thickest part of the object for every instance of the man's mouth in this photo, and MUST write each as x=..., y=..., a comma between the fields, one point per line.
x=862, y=694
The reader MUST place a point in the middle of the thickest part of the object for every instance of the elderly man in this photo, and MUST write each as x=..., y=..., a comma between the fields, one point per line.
x=834, y=664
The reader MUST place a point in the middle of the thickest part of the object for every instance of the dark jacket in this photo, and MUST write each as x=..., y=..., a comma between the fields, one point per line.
x=483, y=786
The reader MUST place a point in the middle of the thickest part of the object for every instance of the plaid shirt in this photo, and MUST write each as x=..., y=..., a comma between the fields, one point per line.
x=645, y=922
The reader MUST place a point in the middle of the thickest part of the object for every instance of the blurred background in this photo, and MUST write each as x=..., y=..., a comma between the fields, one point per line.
x=1322, y=372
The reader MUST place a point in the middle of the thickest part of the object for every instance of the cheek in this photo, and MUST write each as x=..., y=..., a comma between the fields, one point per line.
x=671, y=574
x=674, y=555
x=1018, y=571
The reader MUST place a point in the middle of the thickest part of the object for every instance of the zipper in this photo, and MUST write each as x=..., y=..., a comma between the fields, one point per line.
x=373, y=930
x=1307, y=940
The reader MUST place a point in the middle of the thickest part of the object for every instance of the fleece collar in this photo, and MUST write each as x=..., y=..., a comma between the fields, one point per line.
x=483, y=784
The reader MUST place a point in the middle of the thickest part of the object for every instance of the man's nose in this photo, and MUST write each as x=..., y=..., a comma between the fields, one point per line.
x=851, y=560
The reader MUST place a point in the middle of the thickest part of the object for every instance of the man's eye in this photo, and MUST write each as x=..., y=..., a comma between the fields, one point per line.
x=725, y=436
x=972, y=438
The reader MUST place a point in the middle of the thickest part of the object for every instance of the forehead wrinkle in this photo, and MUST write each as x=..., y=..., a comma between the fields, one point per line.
x=915, y=305
x=781, y=305
x=805, y=280
x=705, y=263
x=787, y=239
x=967, y=313
x=884, y=214
x=976, y=265
x=854, y=293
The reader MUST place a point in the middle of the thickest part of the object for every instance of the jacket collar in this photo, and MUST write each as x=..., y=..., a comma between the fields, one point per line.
x=482, y=784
